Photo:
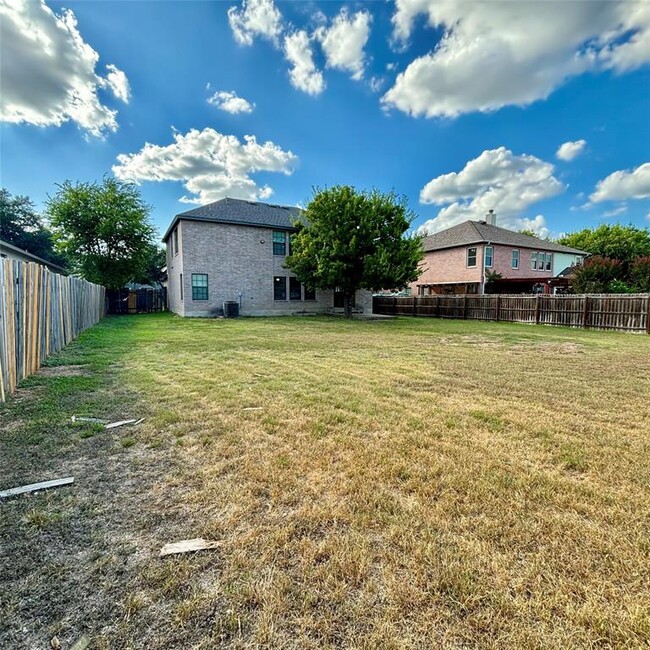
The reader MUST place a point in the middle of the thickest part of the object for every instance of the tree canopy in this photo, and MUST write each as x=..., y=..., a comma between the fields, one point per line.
x=22, y=226
x=352, y=240
x=622, y=243
x=103, y=229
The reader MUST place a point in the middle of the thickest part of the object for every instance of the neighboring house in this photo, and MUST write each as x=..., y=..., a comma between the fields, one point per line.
x=234, y=250
x=461, y=258
x=11, y=252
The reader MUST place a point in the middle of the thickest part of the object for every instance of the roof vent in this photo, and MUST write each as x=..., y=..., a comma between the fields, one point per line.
x=491, y=218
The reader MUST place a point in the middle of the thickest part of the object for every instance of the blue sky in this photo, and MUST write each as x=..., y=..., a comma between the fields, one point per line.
x=459, y=106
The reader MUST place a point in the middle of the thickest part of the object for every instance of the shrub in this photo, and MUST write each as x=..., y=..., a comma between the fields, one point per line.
x=597, y=275
x=640, y=274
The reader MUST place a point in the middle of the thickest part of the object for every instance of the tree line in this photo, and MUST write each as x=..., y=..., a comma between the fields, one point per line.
x=346, y=240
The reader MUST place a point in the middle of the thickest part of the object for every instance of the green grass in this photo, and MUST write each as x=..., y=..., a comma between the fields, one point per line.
x=407, y=483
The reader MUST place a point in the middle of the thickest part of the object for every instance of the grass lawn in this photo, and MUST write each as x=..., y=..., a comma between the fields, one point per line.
x=410, y=483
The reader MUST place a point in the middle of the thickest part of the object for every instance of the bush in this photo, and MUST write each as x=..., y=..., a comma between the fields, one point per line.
x=640, y=274
x=598, y=275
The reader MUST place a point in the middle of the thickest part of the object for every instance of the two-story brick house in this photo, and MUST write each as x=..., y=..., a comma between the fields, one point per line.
x=460, y=259
x=234, y=250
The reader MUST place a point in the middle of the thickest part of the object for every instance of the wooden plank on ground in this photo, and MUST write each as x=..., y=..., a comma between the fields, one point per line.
x=113, y=425
x=188, y=546
x=33, y=487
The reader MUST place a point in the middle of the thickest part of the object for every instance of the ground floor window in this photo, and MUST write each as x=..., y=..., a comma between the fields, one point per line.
x=310, y=294
x=295, y=289
x=181, y=287
x=199, y=286
x=339, y=300
x=280, y=288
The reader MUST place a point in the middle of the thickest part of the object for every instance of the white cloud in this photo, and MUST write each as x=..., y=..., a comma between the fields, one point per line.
x=615, y=212
x=304, y=74
x=48, y=71
x=116, y=80
x=624, y=185
x=498, y=180
x=255, y=18
x=344, y=40
x=376, y=83
x=210, y=165
x=494, y=54
x=230, y=102
x=570, y=150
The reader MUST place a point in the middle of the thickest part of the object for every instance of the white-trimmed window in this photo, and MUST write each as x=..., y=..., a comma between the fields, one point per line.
x=471, y=256
x=175, y=241
x=533, y=262
x=514, y=259
x=489, y=256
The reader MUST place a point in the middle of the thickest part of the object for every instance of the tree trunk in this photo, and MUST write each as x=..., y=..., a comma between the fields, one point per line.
x=347, y=303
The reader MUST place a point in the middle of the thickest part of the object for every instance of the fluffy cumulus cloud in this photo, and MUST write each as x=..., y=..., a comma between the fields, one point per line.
x=255, y=18
x=499, y=180
x=210, y=165
x=303, y=73
x=494, y=54
x=570, y=150
x=343, y=41
x=49, y=73
x=624, y=185
x=230, y=102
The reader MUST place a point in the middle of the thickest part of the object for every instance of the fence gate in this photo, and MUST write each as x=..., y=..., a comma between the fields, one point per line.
x=137, y=301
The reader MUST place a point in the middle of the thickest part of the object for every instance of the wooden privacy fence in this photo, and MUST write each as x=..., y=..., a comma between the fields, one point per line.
x=624, y=312
x=40, y=312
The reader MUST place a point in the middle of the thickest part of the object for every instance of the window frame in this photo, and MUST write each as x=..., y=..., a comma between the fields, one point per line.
x=196, y=287
x=512, y=259
x=175, y=241
x=279, y=245
x=485, y=256
x=181, y=278
x=294, y=280
x=312, y=295
x=468, y=249
x=533, y=261
x=283, y=279
x=548, y=266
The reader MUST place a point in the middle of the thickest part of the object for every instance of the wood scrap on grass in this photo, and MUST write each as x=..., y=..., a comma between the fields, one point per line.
x=34, y=487
x=188, y=546
x=121, y=423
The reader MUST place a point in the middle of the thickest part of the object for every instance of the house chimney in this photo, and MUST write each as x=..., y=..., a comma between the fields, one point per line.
x=491, y=217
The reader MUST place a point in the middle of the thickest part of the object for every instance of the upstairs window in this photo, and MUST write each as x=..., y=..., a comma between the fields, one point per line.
x=279, y=242
x=175, y=241
x=533, y=262
x=549, y=261
x=279, y=288
x=471, y=256
x=514, y=260
x=489, y=254
x=199, y=286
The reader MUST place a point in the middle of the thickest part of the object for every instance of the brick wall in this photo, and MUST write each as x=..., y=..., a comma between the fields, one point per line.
x=240, y=265
x=450, y=265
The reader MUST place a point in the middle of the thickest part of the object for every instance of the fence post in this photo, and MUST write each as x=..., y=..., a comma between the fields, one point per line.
x=436, y=307
x=465, y=307
x=498, y=307
x=647, y=316
x=538, y=297
x=415, y=305
x=585, y=313
x=394, y=306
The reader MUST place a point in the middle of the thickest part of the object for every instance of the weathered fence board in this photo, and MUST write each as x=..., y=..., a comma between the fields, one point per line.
x=623, y=312
x=40, y=312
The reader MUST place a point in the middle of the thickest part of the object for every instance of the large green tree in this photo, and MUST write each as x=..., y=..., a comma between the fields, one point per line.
x=103, y=229
x=622, y=243
x=351, y=240
x=22, y=226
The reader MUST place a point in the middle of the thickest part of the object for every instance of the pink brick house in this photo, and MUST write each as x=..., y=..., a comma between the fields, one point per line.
x=461, y=258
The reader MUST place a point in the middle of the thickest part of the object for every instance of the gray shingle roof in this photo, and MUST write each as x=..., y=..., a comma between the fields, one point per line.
x=243, y=213
x=477, y=232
